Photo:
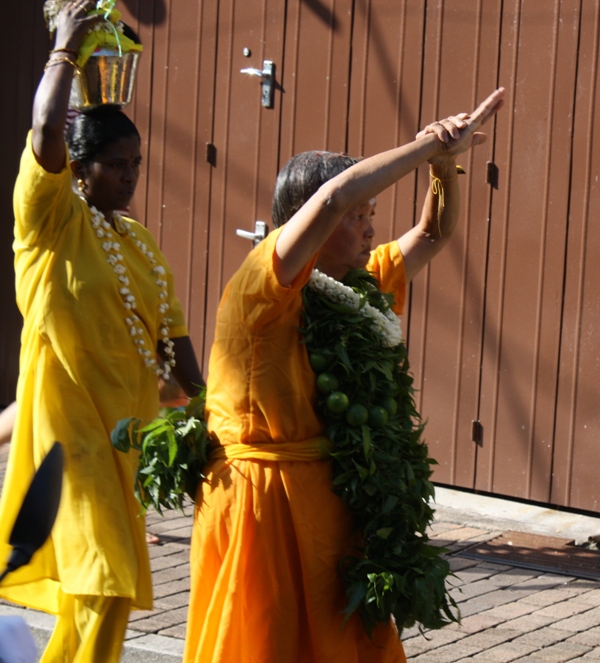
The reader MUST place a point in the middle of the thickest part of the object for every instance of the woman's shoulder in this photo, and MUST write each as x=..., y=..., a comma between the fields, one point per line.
x=32, y=177
x=43, y=202
x=256, y=271
x=387, y=263
x=255, y=295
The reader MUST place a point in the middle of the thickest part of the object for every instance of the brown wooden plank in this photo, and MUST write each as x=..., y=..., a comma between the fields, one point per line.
x=24, y=49
x=315, y=77
x=245, y=135
x=575, y=481
x=385, y=97
x=447, y=303
x=527, y=248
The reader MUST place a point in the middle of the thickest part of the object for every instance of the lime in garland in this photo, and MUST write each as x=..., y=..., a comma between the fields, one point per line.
x=381, y=466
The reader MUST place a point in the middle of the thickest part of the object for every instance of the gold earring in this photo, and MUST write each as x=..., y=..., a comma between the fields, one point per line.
x=80, y=185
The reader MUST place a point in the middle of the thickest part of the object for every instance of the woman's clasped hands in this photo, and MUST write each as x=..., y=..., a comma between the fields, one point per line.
x=459, y=133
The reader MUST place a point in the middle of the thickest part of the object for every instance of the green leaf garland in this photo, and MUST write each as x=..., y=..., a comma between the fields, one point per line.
x=381, y=466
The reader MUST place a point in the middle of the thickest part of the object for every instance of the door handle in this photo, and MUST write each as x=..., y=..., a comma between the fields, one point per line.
x=261, y=230
x=267, y=81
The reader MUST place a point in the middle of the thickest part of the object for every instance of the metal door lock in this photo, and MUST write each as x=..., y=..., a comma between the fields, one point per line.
x=267, y=81
x=261, y=230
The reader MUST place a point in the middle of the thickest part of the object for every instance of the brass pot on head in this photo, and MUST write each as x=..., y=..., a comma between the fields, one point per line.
x=106, y=79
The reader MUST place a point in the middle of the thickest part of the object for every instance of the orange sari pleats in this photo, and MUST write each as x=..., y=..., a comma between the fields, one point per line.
x=266, y=543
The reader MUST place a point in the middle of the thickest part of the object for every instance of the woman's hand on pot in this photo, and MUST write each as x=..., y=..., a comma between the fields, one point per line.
x=74, y=23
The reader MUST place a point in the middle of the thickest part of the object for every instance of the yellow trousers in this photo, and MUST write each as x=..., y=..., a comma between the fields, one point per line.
x=89, y=629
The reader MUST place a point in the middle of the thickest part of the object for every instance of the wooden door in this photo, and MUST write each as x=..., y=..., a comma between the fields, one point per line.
x=460, y=68
x=484, y=319
x=527, y=249
x=24, y=50
x=502, y=327
x=385, y=97
x=173, y=109
x=309, y=44
x=575, y=476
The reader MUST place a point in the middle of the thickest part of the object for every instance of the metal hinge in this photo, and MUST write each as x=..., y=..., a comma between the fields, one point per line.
x=492, y=174
x=477, y=433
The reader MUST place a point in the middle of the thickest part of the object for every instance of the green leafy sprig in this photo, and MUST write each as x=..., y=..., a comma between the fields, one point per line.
x=381, y=466
x=173, y=451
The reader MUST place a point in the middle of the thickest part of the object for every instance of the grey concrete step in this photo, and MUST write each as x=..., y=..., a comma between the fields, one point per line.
x=139, y=647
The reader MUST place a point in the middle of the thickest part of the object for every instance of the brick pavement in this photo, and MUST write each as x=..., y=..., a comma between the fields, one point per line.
x=509, y=614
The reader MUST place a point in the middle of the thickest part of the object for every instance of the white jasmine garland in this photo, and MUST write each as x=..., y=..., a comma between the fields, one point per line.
x=387, y=324
x=104, y=232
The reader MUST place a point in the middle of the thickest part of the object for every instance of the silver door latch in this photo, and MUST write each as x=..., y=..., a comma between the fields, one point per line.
x=267, y=81
x=261, y=230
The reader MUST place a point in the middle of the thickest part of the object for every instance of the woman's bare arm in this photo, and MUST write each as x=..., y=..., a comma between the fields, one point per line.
x=52, y=96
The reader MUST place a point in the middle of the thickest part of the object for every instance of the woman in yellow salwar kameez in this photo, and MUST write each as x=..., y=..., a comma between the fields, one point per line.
x=269, y=532
x=97, y=300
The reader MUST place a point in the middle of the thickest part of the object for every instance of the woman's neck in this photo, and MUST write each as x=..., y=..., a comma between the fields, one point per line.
x=337, y=274
x=110, y=217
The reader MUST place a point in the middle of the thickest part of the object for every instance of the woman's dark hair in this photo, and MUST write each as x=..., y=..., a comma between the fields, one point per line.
x=93, y=131
x=301, y=177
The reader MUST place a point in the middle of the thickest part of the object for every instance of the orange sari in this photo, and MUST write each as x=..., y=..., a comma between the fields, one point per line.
x=268, y=531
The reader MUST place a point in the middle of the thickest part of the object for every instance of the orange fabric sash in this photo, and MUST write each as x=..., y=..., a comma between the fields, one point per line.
x=315, y=448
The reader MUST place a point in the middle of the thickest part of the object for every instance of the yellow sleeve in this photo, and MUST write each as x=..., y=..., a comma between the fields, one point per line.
x=42, y=201
x=255, y=290
x=388, y=265
x=177, y=324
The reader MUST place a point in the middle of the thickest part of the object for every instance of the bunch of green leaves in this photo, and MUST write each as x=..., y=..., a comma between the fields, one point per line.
x=381, y=466
x=173, y=450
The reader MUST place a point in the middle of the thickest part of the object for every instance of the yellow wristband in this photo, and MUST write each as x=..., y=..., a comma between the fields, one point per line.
x=437, y=188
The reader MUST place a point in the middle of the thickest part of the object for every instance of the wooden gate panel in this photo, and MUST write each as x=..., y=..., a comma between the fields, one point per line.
x=446, y=326
x=24, y=50
x=245, y=137
x=387, y=49
x=575, y=475
x=310, y=46
x=315, y=77
x=173, y=108
x=527, y=250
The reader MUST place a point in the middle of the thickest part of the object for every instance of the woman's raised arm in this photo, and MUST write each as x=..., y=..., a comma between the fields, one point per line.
x=52, y=96
x=306, y=232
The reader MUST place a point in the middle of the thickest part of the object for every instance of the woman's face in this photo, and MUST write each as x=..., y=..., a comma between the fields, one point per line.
x=349, y=245
x=109, y=181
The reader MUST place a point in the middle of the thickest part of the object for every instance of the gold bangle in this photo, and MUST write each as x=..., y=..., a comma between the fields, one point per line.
x=65, y=50
x=54, y=61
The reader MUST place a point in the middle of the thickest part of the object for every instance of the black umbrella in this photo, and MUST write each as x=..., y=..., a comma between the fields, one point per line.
x=37, y=514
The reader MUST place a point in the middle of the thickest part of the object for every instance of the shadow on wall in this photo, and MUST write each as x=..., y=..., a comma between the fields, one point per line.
x=323, y=12
x=147, y=13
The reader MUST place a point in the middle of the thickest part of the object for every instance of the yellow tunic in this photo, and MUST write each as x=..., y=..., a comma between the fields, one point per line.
x=80, y=372
x=268, y=535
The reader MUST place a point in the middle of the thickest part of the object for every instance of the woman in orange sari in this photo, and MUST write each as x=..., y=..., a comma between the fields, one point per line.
x=269, y=531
